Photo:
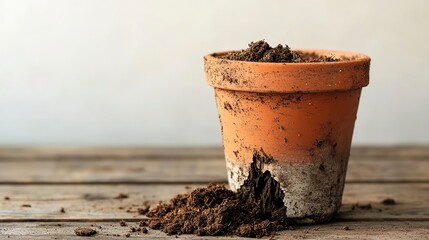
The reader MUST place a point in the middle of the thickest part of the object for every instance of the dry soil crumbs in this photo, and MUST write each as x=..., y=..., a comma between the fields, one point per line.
x=142, y=224
x=363, y=207
x=121, y=196
x=255, y=210
x=84, y=231
x=389, y=201
x=62, y=210
x=25, y=205
x=145, y=209
x=261, y=51
x=122, y=223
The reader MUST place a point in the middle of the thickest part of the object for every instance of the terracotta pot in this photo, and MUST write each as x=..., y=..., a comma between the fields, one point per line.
x=301, y=115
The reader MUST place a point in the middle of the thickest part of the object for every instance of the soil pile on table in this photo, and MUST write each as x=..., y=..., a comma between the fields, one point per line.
x=261, y=51
x=255, y=210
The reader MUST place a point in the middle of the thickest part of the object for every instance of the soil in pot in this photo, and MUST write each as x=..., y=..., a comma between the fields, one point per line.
x=261, y=51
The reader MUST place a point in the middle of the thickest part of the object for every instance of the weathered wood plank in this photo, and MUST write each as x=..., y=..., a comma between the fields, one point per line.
x=361, y=170
x=98, y=202
x=358, y=230
x=78, y=201
x=400, y=151
x=84, y=153
x=80, y=153
x=111, y=171
x=183, y=171
x=412, y=201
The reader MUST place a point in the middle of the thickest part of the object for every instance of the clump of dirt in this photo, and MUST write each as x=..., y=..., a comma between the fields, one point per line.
x=81, y=231
x=255, y=210
x=142, y=224
x=145, y=209
x=362, y=206
x=121, y=196
x=389, y=201
x=261, y=51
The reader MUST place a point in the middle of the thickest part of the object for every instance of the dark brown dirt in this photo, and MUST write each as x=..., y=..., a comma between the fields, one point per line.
x=313, y=57
x=363, y=207
x=389, y=201
x=255, y=210
x=62, y=210
x=145, y=209
x=25, y=205
x=121, y=196
x=261, y=51
x=80, y=231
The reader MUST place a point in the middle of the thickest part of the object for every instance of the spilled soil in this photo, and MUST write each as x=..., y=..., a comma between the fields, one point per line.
x=255, y=210
x=389, y=201
x=84, y=231
x=261, y=51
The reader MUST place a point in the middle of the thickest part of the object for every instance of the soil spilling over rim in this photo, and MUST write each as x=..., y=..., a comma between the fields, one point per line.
x=255, y=210
x=261, y=51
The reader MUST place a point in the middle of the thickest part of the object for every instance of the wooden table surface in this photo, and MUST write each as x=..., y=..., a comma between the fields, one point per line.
x=86, y=183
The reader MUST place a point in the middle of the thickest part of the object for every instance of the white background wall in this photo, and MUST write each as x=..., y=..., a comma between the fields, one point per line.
x=102, y=72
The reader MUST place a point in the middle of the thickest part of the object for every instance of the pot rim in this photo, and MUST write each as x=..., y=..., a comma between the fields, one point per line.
x=289, y=77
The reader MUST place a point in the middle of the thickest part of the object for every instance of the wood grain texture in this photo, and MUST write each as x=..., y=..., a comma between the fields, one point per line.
x=197, y=170
x=98, y=201
x=358, y=230
x=85, y=182
x=113, y=171
x=78, y=153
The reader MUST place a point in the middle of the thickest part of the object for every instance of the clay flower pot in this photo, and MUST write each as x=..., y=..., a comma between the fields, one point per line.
x=299, y=116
